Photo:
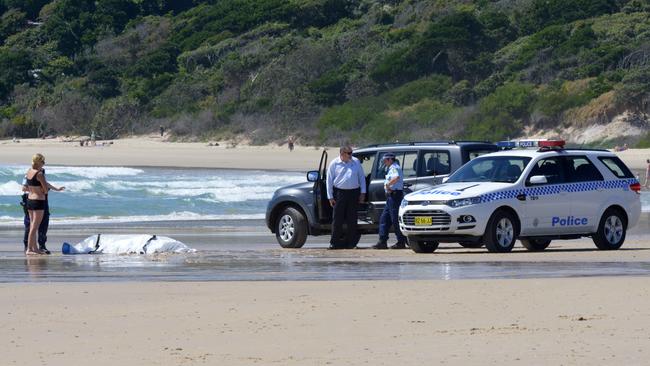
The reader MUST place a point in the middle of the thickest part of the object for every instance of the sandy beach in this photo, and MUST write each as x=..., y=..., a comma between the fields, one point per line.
x=541, y=321
x=153, y=152
x=584, y=321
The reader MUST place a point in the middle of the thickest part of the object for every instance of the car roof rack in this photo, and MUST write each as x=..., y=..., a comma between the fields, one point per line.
x=432, y=142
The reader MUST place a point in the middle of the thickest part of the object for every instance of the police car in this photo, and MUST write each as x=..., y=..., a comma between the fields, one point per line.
x=534, y=195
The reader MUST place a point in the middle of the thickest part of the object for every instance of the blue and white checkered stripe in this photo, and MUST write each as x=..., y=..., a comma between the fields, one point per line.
x=557, y=188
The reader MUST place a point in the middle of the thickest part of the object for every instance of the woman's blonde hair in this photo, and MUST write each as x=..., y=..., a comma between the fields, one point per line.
x=37, y=159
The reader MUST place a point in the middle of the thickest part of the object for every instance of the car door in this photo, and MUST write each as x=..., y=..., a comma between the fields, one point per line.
x=323, y=208
x=433, y=166
x=547, y=205
x=408, y=160
x=584, y=188
x=367, y=160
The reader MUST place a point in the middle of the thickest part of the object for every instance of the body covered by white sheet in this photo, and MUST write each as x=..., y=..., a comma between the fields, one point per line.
x=127, y=244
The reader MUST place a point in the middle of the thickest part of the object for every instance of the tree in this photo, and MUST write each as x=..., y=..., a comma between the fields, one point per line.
x=14, y=67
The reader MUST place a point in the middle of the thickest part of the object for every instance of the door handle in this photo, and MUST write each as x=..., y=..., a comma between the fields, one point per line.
x=521, y=196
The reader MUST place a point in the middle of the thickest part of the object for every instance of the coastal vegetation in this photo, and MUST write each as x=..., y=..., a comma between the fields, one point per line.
x=321, y=70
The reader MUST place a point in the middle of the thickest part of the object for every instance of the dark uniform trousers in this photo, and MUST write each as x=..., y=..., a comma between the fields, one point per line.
x=345, y=212
x=42, y=228
x=389, y=217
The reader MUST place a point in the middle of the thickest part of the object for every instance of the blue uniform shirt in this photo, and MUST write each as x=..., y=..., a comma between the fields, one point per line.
x=395, y=171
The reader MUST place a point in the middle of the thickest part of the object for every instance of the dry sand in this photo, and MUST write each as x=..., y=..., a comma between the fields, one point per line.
x=585, y=321
x=152, y=151
x=147, y=151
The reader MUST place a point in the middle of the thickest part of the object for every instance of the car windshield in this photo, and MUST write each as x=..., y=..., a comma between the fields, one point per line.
x=506, y=169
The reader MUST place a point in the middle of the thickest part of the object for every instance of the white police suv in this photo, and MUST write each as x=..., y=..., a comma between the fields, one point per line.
x=532, y=195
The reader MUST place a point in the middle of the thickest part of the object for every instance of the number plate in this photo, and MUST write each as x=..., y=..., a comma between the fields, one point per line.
x=423, y=221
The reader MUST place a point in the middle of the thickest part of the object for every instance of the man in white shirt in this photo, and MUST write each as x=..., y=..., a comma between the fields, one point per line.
x=346, y=188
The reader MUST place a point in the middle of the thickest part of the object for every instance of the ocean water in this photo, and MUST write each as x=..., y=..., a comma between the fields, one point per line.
x=100, y=195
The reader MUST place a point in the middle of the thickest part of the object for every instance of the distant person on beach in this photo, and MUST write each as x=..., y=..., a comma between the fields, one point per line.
x=162, y=131
x=290, y=143
x=92, y=138
x=36, y=204
x=647, y=173
x=346, y=188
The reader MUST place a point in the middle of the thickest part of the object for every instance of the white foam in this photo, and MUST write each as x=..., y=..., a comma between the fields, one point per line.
x=174, y=216
x=11, y=188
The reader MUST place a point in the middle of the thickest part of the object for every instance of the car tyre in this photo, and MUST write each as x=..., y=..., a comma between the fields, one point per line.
x=611, y=230
x=291, y=228
x=501, y=232
x=422, y=246
x=471, y=244
x=535, y=245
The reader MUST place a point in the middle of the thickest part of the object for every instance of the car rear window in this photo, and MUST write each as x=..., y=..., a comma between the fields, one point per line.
x=616, y=166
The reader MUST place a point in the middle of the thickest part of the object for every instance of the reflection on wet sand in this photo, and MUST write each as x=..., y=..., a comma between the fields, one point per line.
x=280, y=265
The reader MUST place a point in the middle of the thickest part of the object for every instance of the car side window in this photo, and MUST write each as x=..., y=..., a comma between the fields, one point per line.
x=408, y=160
x=616, y=166
x=551, y=168
x=435, y=163
x=580, y=169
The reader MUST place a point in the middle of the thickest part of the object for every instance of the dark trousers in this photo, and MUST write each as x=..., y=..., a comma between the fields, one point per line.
x=42, y=228
x=389, y=217
x=345, y=212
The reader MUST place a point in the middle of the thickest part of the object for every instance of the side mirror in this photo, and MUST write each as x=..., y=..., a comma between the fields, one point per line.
x=445, y=179
x=538, y=179
x=312, y=176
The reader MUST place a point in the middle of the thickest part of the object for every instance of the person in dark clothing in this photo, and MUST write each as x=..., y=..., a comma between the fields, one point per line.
x=346, y=188
x=42, y=228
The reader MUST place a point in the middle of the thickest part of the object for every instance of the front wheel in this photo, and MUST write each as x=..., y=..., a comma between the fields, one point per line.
x=291, y=228
x=421, y=246
x=611, y=230
x=501, y=232
x=535, y=245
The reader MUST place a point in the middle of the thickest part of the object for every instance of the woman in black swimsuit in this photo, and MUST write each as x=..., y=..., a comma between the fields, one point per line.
x=38, y=187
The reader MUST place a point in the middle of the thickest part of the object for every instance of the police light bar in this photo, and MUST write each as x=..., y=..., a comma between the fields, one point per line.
x=552, y=143
x=507, y=144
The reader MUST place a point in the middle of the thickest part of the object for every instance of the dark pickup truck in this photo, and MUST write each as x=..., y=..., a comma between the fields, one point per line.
x=302, y=209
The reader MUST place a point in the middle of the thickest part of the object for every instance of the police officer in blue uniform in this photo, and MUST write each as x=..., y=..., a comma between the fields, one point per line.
x=394, y=188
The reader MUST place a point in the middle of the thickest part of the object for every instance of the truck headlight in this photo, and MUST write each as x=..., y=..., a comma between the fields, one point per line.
x=461, y=202
x=404, y=203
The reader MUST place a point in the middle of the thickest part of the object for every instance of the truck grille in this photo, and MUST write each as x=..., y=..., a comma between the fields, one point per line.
x=438, y=218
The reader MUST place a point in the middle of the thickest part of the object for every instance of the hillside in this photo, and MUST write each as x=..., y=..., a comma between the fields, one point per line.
x=327, y=70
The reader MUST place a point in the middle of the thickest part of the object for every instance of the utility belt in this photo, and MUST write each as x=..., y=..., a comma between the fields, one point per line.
x=395, y=192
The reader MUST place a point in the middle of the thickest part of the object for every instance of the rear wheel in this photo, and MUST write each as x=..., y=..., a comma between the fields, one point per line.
x=422, y=246
x=535, y=245
x=611, y=230
x=291, y=228
x=501, y=232
x=471, y=244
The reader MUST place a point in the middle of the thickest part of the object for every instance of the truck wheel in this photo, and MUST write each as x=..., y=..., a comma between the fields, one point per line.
x=471, y=244
x=291, y=228
x=421, y=246
x=501, y=232
x=535, y=245
x=611, y=230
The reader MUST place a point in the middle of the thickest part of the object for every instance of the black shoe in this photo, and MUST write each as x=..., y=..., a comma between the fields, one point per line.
x=380, y=245
x=44, y=250
x=334, y=247
x=398, y=245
